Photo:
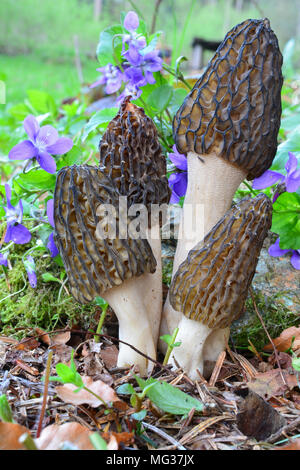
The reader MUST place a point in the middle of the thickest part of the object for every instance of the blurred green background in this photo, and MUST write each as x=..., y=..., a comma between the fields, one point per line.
x=39, y=39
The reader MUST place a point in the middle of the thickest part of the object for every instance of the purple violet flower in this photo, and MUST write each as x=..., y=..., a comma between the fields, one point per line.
x=135, y=41
x=3, y=259
x=15, y=231
x=291, y=180
x=112, y=78
x=50, y=214
x=43, y=142
x=178, y=180
x=275, y=251
x=30, y=268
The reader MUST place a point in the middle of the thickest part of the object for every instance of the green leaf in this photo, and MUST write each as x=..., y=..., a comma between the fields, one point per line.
x=296, y=363
x=74, y=157
x=105, y=50
x=170, y=399
x=99, y=119
x=286, y=220
x=42, y=102
x=98, y=442
x=37, y=179
x=48, y=277
x=140, y=415
x=160, y=98
x=167, y=339
x=5, y=410
x=125, y=389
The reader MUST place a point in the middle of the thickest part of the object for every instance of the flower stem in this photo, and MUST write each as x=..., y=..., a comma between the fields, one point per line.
x=170, y=347
x=100, y=324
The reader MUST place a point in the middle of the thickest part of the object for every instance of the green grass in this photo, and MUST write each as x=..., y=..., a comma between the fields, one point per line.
x=25, y=72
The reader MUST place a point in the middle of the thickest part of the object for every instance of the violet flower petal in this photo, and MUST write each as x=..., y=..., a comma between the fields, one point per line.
x=131, y=21
x=174, y=199
x=268, y=178
x=51, y=246
x=47, y=162
x=8, y=196
x=47, y=135
x=3, y=259
x=293, y=182
x=19, y=234
x=23, y=151
x=31, y=127
x=61, y=146
x=291, y=164
x=295, y=259
x=181, y=185
x=50, y=212
x=7, y=237
x=275, y=249
x=179, y=159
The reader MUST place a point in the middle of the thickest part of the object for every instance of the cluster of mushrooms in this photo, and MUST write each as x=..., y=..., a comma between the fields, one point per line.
x=227, y=126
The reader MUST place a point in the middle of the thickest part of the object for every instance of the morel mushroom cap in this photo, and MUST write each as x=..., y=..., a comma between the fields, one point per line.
x=93, y=264
x=211, y=285
x=234, y=109
x=131, y=155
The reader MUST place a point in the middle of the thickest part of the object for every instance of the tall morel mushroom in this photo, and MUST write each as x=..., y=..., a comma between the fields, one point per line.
x=210, y=287
x=227, y=126
x=131, y=155
x=99, y=263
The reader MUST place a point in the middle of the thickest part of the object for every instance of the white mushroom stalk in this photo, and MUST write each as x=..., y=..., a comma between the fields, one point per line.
x=227, y=126
x=210, y=287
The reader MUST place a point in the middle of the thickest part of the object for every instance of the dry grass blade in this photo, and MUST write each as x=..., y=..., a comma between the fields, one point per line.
x=247, y=367
x=163, y=434
x=217, y=369
x=204, y=425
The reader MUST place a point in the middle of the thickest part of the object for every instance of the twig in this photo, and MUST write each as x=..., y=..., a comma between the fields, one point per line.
x=45, y=395
x=287, y=428
x=155, y=13
x=269, y=338
x=164, y=435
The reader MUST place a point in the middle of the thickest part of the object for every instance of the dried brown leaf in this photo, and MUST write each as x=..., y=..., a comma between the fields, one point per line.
x=110, y=356
x=53, y=436
x=270, y=383
x=66, y=393
x=61, y=338
x=293, y=445
x=285, y=340
x=125, y=438
x=257, y=418
x=10, y=434
x=43, y=336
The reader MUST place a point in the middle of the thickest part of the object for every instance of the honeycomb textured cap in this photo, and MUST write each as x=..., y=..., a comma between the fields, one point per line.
x=131, y=155
x=211, y=285
x=94, y=263
x=234, y=109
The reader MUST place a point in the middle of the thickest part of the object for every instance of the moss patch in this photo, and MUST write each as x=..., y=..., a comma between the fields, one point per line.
x=276, y=317
x=48, y=306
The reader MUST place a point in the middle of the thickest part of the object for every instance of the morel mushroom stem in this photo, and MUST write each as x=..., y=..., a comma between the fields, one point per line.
x=150, y=284
x=212, y=183
x=200, y=347
x=134, y=326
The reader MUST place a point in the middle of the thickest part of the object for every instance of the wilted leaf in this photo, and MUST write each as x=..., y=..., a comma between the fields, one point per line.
x=257, y=418
x=270, y=383
x=10, y=434
x=66, y=393
x=285, y=340
x=109, y=356
x=53, y=437
x=125, y=438
x=61, y=338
